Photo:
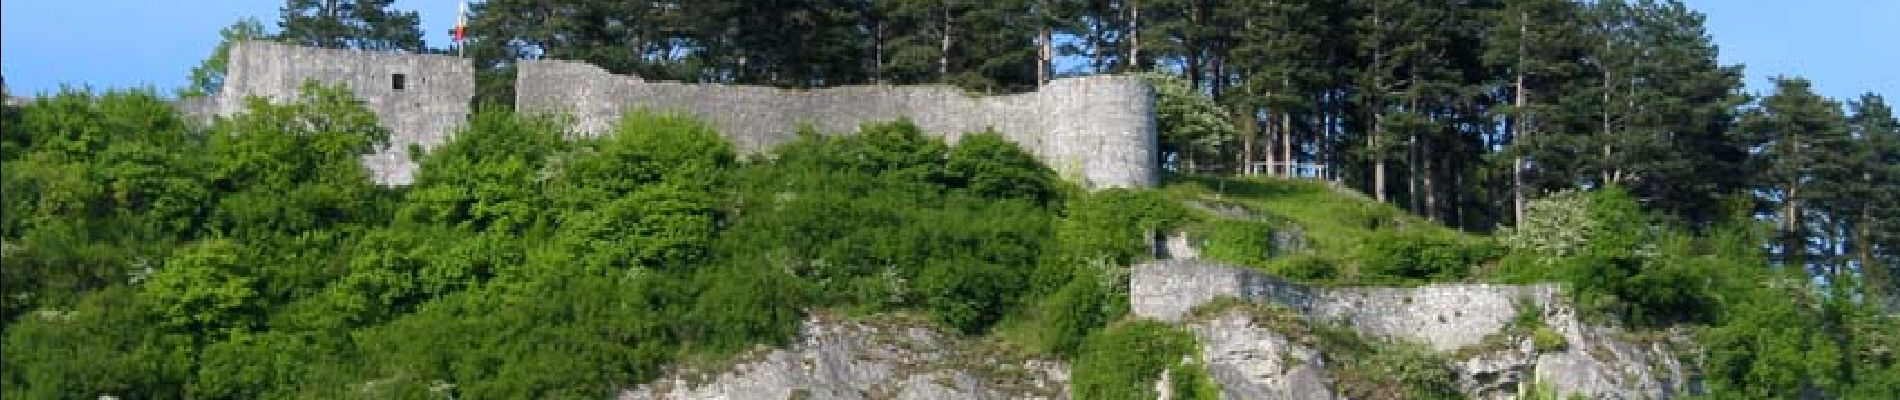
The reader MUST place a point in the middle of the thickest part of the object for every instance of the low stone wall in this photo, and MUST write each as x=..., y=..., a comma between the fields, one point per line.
x=1445, y=316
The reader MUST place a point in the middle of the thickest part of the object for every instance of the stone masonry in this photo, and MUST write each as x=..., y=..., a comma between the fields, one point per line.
x=1098, y=131
x=422, y=99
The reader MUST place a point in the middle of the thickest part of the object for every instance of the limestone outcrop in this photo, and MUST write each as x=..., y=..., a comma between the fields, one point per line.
x=1472, y=324
x=836, y=358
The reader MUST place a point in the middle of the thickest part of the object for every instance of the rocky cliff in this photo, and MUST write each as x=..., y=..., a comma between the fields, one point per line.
x=879, y=358
x=1480, y=329
x=1498, y=342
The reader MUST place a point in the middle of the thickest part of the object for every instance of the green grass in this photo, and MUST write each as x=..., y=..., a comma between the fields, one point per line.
x=1363, y=239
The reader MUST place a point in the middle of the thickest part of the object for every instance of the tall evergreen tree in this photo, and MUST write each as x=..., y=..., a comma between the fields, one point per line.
x=1674, y=147
x=1801, y=136
x=351, y=24
x=1275, y=72
x=1533, y=43
x=1871, y=201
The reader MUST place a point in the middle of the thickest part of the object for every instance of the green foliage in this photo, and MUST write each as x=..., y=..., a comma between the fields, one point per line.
x=204, y=289
x=208, y=77
x=1123, y=362
x=1095, y=296
x=993, y=167
x=558, y=336
x=491, y=177
x=1616, y=260
x=1367, y=368
x=1191, y=125
x=1556, y=226
x=1404, y=255
x=1239, y=242
x=1342, y=239
x=256, y=259
x=1306, y=268
x=1190, y=381
x=294, y=167
x=106, y=344
x=1771, y=344
x=1114, y=225
x=350, y=24
x=740, y=307
x=98, y=186
x=1545, y=340
x=643, y=197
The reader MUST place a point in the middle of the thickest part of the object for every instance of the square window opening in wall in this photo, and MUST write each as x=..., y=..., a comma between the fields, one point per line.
x=398, y=82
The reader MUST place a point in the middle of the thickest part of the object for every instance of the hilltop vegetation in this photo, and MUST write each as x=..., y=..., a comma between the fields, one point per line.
x=1600, y=145
x=255, y=258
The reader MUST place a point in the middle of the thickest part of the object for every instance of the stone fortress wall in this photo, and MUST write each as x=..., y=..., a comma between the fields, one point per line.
x=421, y=98
x=1098, y=131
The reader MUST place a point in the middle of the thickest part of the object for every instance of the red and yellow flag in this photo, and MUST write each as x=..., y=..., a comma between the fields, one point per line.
x=461, y=22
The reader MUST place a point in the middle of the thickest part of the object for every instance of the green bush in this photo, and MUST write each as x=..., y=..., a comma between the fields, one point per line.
x=1123, y=361
x=1237, y=241
x=1548, y=340
x=1305, y=268
x=1415, y=255
x=1087, y=303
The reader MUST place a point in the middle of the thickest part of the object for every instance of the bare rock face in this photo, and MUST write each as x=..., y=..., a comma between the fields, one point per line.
x=1250, y=361
x=1608, y=363
x=838, y=359
x=1473, y=324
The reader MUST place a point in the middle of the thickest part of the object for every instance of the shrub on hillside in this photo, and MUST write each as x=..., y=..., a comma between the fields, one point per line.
x=1237, y=241
x=1417, y=255
x=1123, y=362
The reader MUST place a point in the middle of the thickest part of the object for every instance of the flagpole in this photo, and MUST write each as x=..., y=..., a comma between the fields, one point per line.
x=461, y=30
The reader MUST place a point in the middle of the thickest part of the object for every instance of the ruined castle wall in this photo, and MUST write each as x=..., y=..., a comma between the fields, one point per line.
x=1098, y=131
x=429, y=107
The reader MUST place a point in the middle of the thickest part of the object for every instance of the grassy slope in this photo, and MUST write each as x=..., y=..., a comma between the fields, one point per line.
x=1340, y=227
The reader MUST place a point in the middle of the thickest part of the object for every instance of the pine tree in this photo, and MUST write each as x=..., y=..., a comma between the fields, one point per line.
x=1666, y=109
x=1271, y=54
x=1872, y=205
x=1534, y=42
x=1802, y=134
x=351, y=24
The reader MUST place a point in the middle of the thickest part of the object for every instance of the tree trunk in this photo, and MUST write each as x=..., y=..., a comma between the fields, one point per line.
x=1378, y=156
x=1249, y=128
x=1608, y=161
x=1519, y=132
x=877, y=53
x=1217, y=83
x=1875, y=275
x=943, y=48
x=1793, y=247
x=1134, y=35
x=1413, y=199
x=1045, y=56
x=1431, y=190
x=1286, y=133
x=1272, y=131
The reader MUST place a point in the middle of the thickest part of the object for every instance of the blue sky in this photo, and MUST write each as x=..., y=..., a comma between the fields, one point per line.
x=1846, y=47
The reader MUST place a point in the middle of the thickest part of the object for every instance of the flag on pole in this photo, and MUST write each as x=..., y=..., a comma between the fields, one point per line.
x=461, y=23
